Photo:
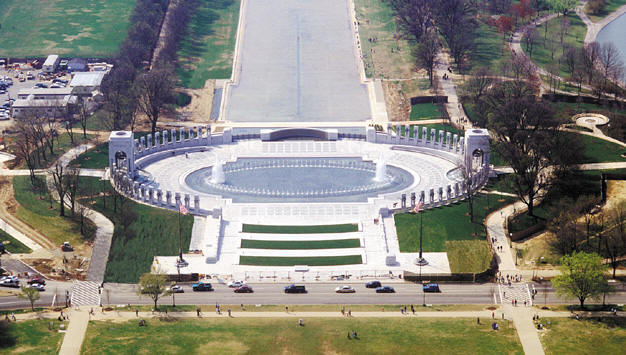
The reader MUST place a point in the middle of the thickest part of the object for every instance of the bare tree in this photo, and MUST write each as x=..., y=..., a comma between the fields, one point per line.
x=83, y=114
x=414, y=17
x=155, y=90
x=456, y=23
x=589, y=59
x=530, y=38
x=426, y=53
x=83, y=213
x=25, y=146
x=478, y=83
x=467, y=172
x=72, y=182
x=563, y=28
x=59, y=177
x=570, y=57
x=615, y=240
x=610, y=61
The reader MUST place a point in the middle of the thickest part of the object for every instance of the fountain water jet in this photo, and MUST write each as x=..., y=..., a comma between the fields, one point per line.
x=381, y=170
x=217, y=172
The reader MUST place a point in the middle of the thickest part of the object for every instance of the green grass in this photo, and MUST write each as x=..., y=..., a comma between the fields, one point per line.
x=489, y=48
x=468, y=255
x=37, y=213
x=376, y=20
x=444, y=226
x=609, y=6
x=424, y=111
x=30, y=336
x=586, y=336
x=152, y=231
x=13, y=245
x=300, y=244
x=302, y=307
x=95, y=158
x=600, y=151
x=541, y=50
x=318, y=336
x=97, y=121
x=207, y=50
x=328, y=228
x=308, y=260
x=84, y=28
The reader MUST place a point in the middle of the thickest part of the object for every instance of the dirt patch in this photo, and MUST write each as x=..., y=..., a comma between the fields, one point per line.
x=199, y=109
x=398, y=105
x=616, y=193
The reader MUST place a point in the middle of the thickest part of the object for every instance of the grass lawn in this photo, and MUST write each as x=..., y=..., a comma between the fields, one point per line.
x=36, y=212
x=391, y=57
x=31, y=336
x=328, y=228
x=207, y=50
x=609, y=6
x=300, y=244
x=13, y=245
x=489, y=48
x=150, y=231
x=83, y=28
x=448, y=229
x=95, y=158
x=302, y=307
x=599, y=151
x=317, y=336
x=586, y=336
x=425, y=111
x=542, y=53
x=309, y=260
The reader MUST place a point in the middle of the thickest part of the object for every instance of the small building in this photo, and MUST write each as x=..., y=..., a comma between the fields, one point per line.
x=51, y=63
x=77, y=64
x=86, y=83
x=44, y=93
x=53, y=108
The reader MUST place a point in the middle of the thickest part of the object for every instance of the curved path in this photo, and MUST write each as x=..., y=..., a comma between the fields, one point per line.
x=593, y=28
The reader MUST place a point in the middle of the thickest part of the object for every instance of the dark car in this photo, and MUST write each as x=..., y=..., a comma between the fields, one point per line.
x=295, y=289
x=244, y=289
x=37, y=280
x=385, y=289
x=373, y=284
x=431, y=288
x=202, y=286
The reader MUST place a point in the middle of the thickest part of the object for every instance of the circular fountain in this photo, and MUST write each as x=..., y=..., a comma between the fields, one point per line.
x=299, y=179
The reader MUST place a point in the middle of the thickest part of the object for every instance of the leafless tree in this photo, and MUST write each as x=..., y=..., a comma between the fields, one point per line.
x=530, y=38
x=467, y=172
x=72, y=183
x=589, y=59
x=478, y=83
x=426, y=53
x=615, y=239
x=563, y=28
x=83, y=212
x=570, y=58
x=83, y=114
x=414, y=17
x=610, y=62
x=155, y=91
x=25, y=146
x=59, y=177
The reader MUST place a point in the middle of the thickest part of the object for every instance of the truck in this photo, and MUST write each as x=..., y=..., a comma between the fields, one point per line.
x=51, y=63
x=202, y=286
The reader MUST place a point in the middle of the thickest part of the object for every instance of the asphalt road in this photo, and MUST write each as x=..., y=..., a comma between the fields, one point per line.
x=318, y=293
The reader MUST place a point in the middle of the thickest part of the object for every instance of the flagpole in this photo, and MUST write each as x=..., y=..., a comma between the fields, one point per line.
x=421, y=224
x=180, y=240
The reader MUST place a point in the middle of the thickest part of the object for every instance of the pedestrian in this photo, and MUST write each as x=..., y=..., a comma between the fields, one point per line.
x=343, y=311
x=502, y=315
x=6, y=317
x=198, y=312
x=229, y=313
x=512, y=302
x=401, y=310
x=217, y=308
x=504, y=294
x=349, y=336
x=13, y=317
x=166, y=311
x=405, y=310
x=136, y=312
x=524, y=303
x=242, y=308
x=493, y=315
x=300, y=322
x=349, y=313
x=412, y=309
x=477, y=320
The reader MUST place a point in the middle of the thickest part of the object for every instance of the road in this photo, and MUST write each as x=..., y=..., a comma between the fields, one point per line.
x=318, y=293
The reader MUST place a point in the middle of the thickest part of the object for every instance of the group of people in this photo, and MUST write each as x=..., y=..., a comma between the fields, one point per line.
x=344, y=313
x=353, y=335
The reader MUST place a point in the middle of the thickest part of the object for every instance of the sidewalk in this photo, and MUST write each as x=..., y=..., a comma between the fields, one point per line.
x=73, y=339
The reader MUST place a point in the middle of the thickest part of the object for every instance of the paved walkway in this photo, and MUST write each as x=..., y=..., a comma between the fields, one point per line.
x=593, y=28
x=448, y=88
x=73, y=339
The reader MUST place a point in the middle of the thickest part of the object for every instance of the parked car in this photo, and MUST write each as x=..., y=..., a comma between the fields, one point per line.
x=202, y=286
x=10, y=283
x=37, y=280
x=10, y=277
x=236, y=283
x=56, y=86
x=37, y=287
x=66, y=246
x=373, y=284
x=41, y=85
x=244, y=289
x=345, y=289
x=385, y=289
x=176, y=289
x=431, y=288
x=295, y=289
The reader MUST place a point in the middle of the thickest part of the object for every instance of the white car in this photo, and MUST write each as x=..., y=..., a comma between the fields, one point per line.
x=236, y=283
x=176, y=289
x=345, y=289
x=38, y=287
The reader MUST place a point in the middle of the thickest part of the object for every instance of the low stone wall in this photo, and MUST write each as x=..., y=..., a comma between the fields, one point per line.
x=447, y=141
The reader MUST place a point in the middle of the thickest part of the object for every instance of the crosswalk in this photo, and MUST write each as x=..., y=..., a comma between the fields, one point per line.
x=518, y=291
x=85, y=293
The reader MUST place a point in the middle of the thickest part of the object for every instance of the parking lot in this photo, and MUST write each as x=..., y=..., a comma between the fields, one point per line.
x=17, y=85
